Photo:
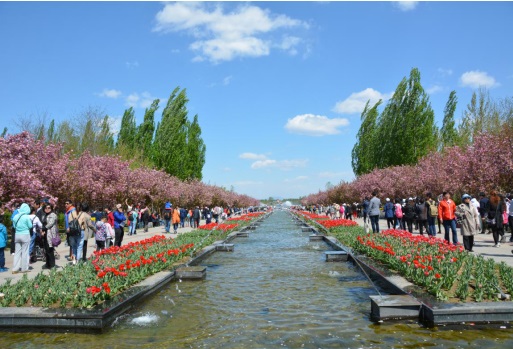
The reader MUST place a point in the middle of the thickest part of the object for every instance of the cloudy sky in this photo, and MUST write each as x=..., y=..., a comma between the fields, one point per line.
x=278, y=86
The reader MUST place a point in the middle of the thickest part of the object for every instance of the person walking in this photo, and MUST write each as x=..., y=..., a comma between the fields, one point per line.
x=483, y=202
x=469, y=219
x=409, y=214
x=88, y=230
x=23, y=225
x=119, y=225
x=422, y=216
x=196, y=216
x=49, y=232
x=3, y=243
x=374, y=206
x=176, y=219
x=494, y=216
x=389, y=213
x=446, y=214
x=432, y=213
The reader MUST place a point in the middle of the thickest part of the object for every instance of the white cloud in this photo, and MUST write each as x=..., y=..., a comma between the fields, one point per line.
x=263, y=163
x=315, y=125
x=220, y=36
x=476, y=79
x=355, y=103
x=289, y=44
x=110, y=93
x=252, y=156
x=434, y=89
x=406, y=5
x=284, y=165
x=132, y=65
x=137, y=100
x=227, y=80
x=115, y=124
x=445, y=72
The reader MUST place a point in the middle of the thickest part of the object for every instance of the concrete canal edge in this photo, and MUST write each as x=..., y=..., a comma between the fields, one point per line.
x=408, y=300
x=100, y=317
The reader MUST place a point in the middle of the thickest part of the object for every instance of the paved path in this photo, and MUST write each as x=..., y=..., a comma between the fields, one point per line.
x=483, y=244
x=63, y=251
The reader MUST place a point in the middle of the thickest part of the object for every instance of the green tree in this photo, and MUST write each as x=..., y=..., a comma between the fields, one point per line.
x=127, y=131
x=4, y=132
x=171, y=135
x=363, y=155
x=146, y=130
x=51, y=133
x=482, y=115
x=406, y=128
x=448, y=132
x=105, y=138
x=196, y=150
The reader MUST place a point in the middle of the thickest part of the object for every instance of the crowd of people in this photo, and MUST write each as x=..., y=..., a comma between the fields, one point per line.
x=482, y=214
x=36, y=225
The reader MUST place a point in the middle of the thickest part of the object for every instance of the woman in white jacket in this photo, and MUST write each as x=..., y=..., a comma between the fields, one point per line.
x=468, y=217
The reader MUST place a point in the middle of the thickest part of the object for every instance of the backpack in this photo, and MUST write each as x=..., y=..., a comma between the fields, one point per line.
x=131, y=217
x=433, y=210
x=398, y=211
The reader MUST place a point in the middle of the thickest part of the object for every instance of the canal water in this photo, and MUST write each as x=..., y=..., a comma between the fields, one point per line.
x=274, y=291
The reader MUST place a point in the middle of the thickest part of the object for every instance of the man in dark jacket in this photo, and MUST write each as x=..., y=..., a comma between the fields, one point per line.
x=483, y=201
x=196, y=215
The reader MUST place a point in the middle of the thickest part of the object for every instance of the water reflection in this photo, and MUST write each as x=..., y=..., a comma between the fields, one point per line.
x=274, y=290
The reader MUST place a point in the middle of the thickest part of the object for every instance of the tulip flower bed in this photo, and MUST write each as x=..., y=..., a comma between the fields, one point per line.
x=331, y=223
x=445, y=271
x=218, y=226
x=110, y=272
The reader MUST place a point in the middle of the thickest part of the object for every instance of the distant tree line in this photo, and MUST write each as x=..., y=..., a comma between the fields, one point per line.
x=173, y=145
x=405, y=131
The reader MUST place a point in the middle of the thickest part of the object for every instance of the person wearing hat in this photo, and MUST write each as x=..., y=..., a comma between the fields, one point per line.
x=469, y=219
x=389, y=213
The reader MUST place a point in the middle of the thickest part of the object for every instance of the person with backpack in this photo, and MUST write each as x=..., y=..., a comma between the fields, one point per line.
x=37, y=226
x=398, y=214
x=167, y=220
x=432, y=213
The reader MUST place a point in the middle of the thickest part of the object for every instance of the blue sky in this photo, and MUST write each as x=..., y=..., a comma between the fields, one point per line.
x=278, y=86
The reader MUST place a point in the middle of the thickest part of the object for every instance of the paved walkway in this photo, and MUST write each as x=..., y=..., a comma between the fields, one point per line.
x=63, y=251
x=483, y=243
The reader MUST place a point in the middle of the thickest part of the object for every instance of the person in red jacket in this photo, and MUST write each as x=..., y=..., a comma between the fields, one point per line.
x=447, y=215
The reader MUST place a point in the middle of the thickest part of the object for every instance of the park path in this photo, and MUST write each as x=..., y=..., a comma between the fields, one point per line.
x=63, y=251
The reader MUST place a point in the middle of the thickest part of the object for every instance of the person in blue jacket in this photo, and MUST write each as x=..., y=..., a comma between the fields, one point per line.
x=119, y=225
x=3, y=244
x=23, y=224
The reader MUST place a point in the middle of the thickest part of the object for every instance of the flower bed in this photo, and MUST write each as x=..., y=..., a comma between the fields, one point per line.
x=218, y=226
x=446, y=271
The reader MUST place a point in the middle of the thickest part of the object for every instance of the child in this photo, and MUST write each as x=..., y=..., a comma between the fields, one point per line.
x=3, y=243
x=104, y=234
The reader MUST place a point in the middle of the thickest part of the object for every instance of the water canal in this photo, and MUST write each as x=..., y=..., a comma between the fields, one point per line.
x=275, y=290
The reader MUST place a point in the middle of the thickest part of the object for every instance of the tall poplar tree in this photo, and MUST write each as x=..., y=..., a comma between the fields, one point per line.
x=196, y=150
x=407, y=129
x=171, y=136
x=146, y=130
x=448, y=133
x=127, y=132
x=363, y=155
